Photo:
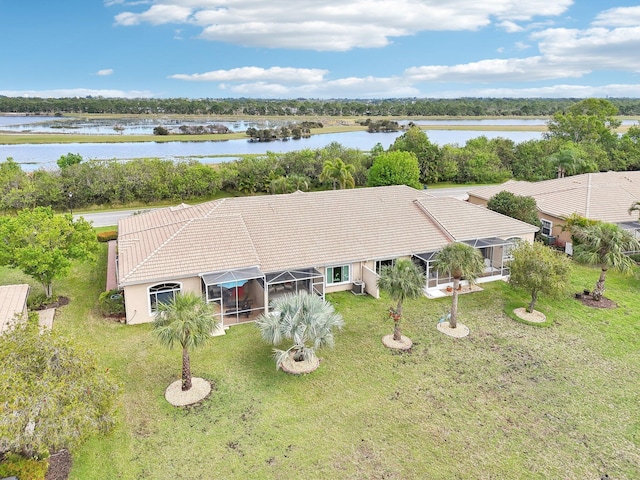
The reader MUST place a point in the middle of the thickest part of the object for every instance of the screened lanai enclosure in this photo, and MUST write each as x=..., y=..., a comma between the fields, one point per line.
x=496, y=253
x=241, y=295
x=309, y=280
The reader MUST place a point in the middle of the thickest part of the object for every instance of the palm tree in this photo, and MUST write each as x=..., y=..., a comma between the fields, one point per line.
x=462, y=261
x=403, y=280
x=339, y=173
x=605, y=245
x=186, y=320
x=303, y=318
x=298, y=182
x=570, y=161
x=279, y=185
x=635, y=207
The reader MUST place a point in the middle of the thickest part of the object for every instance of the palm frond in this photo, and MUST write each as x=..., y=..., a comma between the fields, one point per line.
x=301, y=318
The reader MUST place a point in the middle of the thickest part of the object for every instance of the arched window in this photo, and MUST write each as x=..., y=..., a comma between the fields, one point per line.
x=162, y=293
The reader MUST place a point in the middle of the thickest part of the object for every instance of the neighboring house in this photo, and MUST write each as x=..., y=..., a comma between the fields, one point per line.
x=13, y=305
x=240, y=253
x=604, y=196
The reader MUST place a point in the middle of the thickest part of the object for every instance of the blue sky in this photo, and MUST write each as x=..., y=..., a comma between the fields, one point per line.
x=320, y=48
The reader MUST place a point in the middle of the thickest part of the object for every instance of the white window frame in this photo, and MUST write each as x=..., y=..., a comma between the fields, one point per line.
x=389, y=261
x=543, y=222
x=329, y=278
x=507, y=249
x=176, y=288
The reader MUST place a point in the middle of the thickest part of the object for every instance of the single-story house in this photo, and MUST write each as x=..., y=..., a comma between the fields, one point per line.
x=604, y=196
x=241, y=253
x=13, y=304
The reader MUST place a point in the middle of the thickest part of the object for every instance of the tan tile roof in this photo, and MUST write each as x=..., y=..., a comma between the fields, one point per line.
x=465, y=221
x=13, y=299
x=604, y=196
x=279, y=232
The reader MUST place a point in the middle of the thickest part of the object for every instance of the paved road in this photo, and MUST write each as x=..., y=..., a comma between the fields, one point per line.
x=457, y=192
x=107, y=219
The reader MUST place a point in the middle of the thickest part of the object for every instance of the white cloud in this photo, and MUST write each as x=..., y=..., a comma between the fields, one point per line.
x=492, y=70
x=553, y=91
x=336, y=25
x=156, y=15
x=594, y=48
x=564, y=53
x=105, y=72
x=618, y=17
x=510, y=27
x=131, y=3
x=368, y=87
x=257, y=74
x=78, y=92
x=610, y=43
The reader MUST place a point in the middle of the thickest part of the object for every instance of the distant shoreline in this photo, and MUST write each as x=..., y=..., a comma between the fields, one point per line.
x=331, y=125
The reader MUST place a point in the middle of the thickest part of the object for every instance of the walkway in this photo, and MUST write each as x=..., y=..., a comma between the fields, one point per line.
x=45, y=318
x=112, y=282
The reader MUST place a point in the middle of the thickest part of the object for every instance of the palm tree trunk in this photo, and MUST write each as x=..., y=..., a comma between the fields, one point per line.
x=453, y=321
x=598, y=292
x=397, y=334
x=186, y=370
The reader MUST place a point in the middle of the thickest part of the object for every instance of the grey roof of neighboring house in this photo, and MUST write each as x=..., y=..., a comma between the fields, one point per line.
x=281, y=232
x=13, y=299
x=604, y=196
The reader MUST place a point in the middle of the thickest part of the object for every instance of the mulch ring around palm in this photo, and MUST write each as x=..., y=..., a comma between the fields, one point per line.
x=298, y=368
x=404, y=343
x=602, y=303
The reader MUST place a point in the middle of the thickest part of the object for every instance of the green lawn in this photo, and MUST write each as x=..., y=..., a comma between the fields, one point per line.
x=509, y=401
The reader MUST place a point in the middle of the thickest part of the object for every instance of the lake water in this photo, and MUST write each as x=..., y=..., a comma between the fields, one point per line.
x=45, y=156
x=35, y=156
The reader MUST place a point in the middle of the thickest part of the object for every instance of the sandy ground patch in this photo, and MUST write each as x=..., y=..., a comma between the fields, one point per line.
x=200, y=388
x=464, y=289
x=459, y=332
x=404, y=343
x=299, y=368
x=535, y=316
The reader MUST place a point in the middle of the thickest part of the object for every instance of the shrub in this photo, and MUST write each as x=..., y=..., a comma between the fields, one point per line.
x=107, y=236
x=59, y=395
x=18, y=466
x=111, y=303
x=160, y=131
x=37, y=301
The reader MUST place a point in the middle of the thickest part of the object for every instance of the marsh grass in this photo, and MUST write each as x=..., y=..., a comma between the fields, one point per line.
x=509, y=401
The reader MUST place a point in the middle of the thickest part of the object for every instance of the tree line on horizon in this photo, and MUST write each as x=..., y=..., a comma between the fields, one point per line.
x=544, y=107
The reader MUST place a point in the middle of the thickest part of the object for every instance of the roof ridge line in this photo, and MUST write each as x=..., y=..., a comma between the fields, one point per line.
x=437, y=222
x=158, y=226
x=216, y=205
x=137, y=267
